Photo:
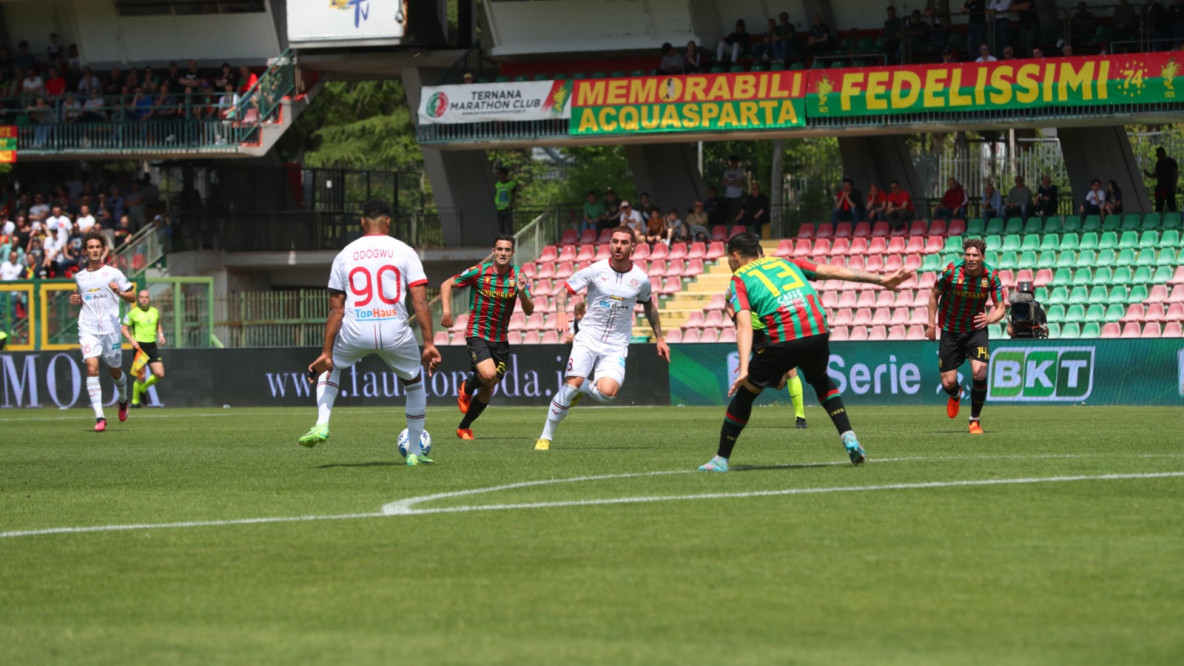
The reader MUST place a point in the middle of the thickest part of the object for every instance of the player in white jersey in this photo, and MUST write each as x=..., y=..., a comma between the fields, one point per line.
x=614, y=286
x=367, y=286
x=99, y=288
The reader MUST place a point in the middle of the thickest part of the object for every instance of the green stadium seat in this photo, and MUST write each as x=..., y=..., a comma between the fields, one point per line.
x=1122, y=275
x=1138, y=294
x=1169, y=238
x=1007, y=261
x=521, y=78
x=1106, y=258
x=719, y=69
x=994, y=227
x=1103, y=276
x=1030, y=242
x=1050, y=243
x=1067, y=260
x=1059, y=296
x=953, y=244
x=838, y=64
x=736, y=69
x=1054, y=330
x=1128, y=239
x=1070, y=241
x=1162, y=274
x=1055, y=313
x=1033, y=226
x=1149, y=238
x=1116, y=310
x=1011, y=242
x=1089, y=241
x=1167, y=257
x=1071, y=224
x=975, y=227
x=1086, y=259
x=542, y=77
x=931, y=263
x=1046, y=259
x=1053, y=225
x=1071, y=330
x=796, y=66
x=994, y=243
x=1091, y=223
x=1125, y=257
x=1131, y=222
x=1091, y=330
x=1078, y=295
x=620, y=74
x=638, y=72
x=1062, y=276
x=502, y=79
x=1098, y=295
x=1146, y=257
x=1142, y=276
x=1112, y=223
x=776, y=66
x=1171, y=221
x=757, y=67
x=1013, y=225
x=1108, y=239
x=1082, y=277
x=599, y=75
x=1027, y=259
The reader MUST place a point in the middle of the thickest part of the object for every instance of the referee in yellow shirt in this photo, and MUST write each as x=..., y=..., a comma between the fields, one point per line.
x=141, y=327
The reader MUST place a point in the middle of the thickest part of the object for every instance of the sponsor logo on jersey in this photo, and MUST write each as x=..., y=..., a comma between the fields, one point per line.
x=376, y=314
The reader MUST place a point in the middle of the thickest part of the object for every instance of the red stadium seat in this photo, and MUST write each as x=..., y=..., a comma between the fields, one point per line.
x=934, y=244
x=838, y=333
x=678, y=250
x=1159, y=294
x=893, y=263
x=927, y=280
x=1043, y=277
x=675, y=267
x=674, y=337
x=863, y=316
x=918, y=228
x=695, y=320
x=937, y=228
x=821, y=247
x=642, y=251
x=587, y=236
x=914, y=245
x=862, y=230
x=657, y=269
x=440, y=338
x=514, y=337
x=671, y=285
x=719, y=232
x=803, y=248
x=956, y=228
x=866, y=299
x=694, y=268
x=517, y=321
x=530, y=338
x=587, y=252
x=1175, y=312
x=1134, y=312
x=543, y=287
x=717, y=302
x=697, y=251
x=896, y=245
x=843, y=230
x=727, y=334
x=875, y=262
x=563, y=270
x=569, y=237
x=691, y=335
x=716, y=318
x=1151, y=330
x=659, y=251
x=1178, y=277
x=885, y=298
x=919, y=316
x=534, y=322
x=848, y=298
x=1111, y=329
x=900, y=316
x=880, y=229
x=824, y=230
x=737, y=229
x=715, y=250
x=1131, y=330
x=1154, y=312
x=785, y=248
x=567, y=253
x=843, y=317
x=1177, y=295
x=877, y=245
x=709, y=334
x=897, y=333
x=857, y=333
x=912, y=262
x=550, y=337
x=841, y=247
x=530, y=270
x=806, y=230
x=459, y=323
x=1172, y=329
x=915, y=332
x=858, y=246
x=549, y=254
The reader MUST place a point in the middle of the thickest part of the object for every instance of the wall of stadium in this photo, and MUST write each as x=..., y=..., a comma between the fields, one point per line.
x=1091, y=372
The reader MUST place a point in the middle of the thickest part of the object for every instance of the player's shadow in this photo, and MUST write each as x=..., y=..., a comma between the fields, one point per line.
x=382, y=463
x=759, y=468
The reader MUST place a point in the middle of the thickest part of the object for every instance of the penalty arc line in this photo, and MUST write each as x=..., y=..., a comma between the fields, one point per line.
x=405, y=507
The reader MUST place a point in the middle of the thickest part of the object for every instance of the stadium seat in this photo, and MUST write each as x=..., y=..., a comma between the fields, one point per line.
x=517, y=321
x=1154, y=312
x=1103, y=276
x=1151, y=330
x=1099, y=295
x=862, y=230
x=1177, y=294
x=569, y=237
x=657, y=269
x=857, y=333
x=693, y=268
x=715, y=319
x=1172, y=329
x=881, y=316
x=543, y=287
x=881, y=230
x=1091, y=329
x=859, y=262
x=530, y=270
x=843, y=230
x=914, y=245
x=459, y=323
x=1118, y=296
x=587, y=236
x=877, y=333
x=1071, y=330
x=1095, y=312
x=1134, y=312
x=676, y=267
x=841, y=247
x=1175, y=312
x=531, y=338
x=804, y=231
x=937, y=228
x=1169, y=238
x=674, y=337
x=918, y=228
x=605, y=235
x=994, y=227
x=719, y=232
x=1029, y=243
x=550, y=253
x=1011, y=242
x=697, y=250
x=1167, y=258
x=550, y=337
x=567, y=253
x=838, y=333
x=659, y=251
x=843, y=317
x=678, y=250
x=926, y=280
x=671, y=285
x=1042, y=278
x=1091, y=223
x=859, y=246
x=563, y=270
x=896, y=245
x=956, y=227
x=933, y=244
x=587, y=252
x=915, y=332
x=727, y=334
x=440, y=338
x=717, y=302
x=691, y=335
x=603, y=251
x=715, y=250
x=899, y=316
x=1078, y=295
x=534, y=322
x=514, y=337
x=1082, y=276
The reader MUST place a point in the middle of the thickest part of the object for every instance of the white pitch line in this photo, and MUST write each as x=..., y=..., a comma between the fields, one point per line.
x=404, y=507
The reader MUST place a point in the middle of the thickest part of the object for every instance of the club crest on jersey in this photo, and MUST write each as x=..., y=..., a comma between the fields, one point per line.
x=986, y=283
x=633, y=282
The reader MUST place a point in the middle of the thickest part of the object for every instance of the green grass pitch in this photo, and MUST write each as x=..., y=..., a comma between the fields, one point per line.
x=1056, y=538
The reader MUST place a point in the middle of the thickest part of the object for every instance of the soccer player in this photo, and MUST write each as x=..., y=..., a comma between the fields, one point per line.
x=98, y=287
x=496, y=286
x=760, y=339
x=141, y=327
x=367, y=285
x=614, y=286
x=957, y=304
x=777, y=292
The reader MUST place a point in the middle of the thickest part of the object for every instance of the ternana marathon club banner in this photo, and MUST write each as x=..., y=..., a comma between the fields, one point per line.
x=1048, y=372
x=481, y=102
x=1136, y=78
x=693, y=103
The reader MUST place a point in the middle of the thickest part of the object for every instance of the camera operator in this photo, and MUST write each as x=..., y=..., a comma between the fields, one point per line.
x=1026, y=318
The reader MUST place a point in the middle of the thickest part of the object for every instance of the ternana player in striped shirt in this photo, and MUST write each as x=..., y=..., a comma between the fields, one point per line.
x=777, y=292
x=958, y=305
x=496, y=287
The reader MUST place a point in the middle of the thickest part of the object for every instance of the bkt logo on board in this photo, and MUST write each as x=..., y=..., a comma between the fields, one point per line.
x=1041, y=374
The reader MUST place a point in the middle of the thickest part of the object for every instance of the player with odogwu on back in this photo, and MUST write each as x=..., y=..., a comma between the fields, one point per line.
x=368, y=283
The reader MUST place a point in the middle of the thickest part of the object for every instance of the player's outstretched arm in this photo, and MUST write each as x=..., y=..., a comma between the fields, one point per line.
x=419, y=302
x=324, y=362
x=890, y=281
x=652, y=316
x=446, y=302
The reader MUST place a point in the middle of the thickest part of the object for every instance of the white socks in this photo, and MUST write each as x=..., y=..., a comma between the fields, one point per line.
x=121, y=386
x=327, y=385
x=417, y=404
x=95, y=391
x=589, y=388
x=558, y=410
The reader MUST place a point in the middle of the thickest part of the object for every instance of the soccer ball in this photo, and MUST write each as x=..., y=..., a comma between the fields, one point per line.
x=425, y=443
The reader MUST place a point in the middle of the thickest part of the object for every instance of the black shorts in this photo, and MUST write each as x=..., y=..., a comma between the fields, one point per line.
x=770, y=362
x=955, y=348
x=481, y=349
x=152, y=352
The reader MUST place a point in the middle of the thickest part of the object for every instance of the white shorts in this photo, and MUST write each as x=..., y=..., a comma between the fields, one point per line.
x=106, y=347
x=586, y=359
x=404, y=358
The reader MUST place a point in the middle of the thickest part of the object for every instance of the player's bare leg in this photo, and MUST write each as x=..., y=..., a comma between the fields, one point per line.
x=949, y=383
x=488, y=378
x=978, y=395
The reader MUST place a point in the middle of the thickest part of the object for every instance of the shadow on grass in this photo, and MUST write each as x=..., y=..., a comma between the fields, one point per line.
x=384, y=463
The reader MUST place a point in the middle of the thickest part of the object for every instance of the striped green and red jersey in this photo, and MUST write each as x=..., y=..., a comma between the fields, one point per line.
x=492, y=299
x=961, y=296
x=777, y=292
